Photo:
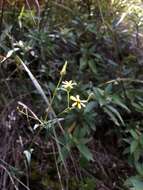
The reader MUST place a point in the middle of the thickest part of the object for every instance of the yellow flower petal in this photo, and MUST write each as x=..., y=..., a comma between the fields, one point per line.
x=64, y=82
x=79, y=105
x=77, y=102
x=83, y=105
x=83, y=101
x=73, y=98
x=78, y=97
x=74, y=104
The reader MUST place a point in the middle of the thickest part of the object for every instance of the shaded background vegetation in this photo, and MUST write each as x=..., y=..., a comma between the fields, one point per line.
x=97, y=147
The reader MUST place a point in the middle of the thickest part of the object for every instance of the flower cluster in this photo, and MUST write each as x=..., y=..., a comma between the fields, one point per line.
x=77, y=102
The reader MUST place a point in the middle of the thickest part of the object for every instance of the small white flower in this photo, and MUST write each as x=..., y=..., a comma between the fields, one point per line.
x=68, y=85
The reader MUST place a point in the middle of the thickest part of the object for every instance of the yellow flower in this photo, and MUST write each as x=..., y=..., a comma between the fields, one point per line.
x=78, y=102
x=68, y=85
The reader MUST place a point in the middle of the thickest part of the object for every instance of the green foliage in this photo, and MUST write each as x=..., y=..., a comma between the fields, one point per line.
x=135, y=182
x=88, y=184
x=79, y=56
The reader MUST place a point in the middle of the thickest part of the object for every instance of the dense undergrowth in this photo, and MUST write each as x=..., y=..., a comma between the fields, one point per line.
x=71, y=100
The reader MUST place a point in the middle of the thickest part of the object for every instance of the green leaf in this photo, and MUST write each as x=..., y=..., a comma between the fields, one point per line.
x=90, y=106
x=134, y=134
x=91, y=28
x=137, y=153
x=108, y=89
x=92, y=66
x=64, y=153
x=85, y=151
x=126, y=151
x=98, y=56
x=83, y=162
x=141, y=140
x=99, y=94
x=99, y=91
x=137, y=106
x=137, y=183
x=116, y=100
x=116, y=113
x=83, y=63
x=139, y=168
x=133, y=146
x=85, y=140
x=112, y=116
x=82, y=132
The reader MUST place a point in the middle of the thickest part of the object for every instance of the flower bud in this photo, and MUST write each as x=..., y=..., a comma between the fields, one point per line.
x=63, y=71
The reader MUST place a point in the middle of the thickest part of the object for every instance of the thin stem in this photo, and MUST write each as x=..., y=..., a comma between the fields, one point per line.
x=68, y=98
x=65, y=111
x=55, y=91
x=54, y=94
x=59, y=175
x=122, y=79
